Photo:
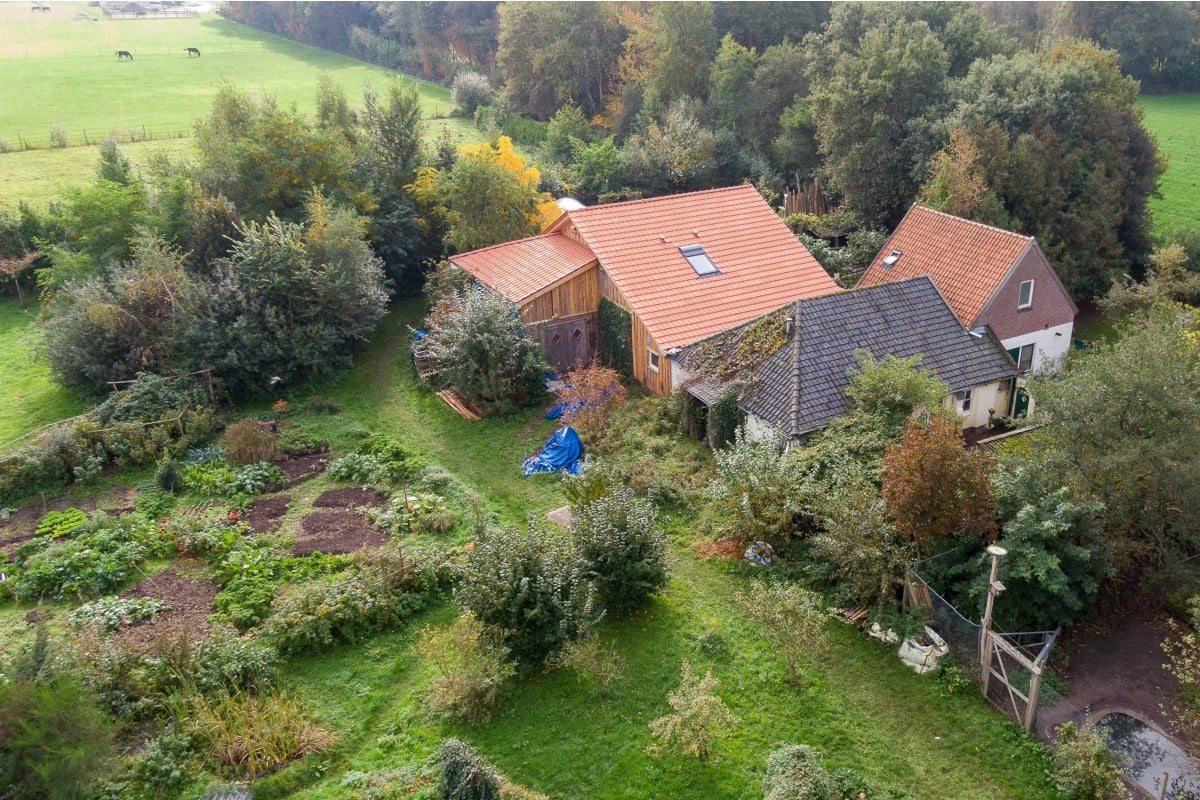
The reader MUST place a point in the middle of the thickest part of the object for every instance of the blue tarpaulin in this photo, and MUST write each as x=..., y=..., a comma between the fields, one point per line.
x=561, y=451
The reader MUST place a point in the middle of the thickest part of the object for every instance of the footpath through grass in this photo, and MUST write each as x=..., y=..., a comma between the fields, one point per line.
x=1174, y=120
x=28, y=398
x=859, y=704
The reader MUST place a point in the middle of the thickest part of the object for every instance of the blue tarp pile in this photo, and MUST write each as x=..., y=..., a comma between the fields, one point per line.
x=561, y=451
x=563, y=408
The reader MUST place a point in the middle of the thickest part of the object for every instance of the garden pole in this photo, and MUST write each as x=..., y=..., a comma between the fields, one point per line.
x=995, y=587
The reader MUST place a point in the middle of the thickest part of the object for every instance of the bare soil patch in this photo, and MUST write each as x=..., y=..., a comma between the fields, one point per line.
x=191, y=602
x=298, y=470
x=21, y=524
x=1114, y=662
x=350, y=498
x=266, y=512
x=726, y=548
x=340, y=531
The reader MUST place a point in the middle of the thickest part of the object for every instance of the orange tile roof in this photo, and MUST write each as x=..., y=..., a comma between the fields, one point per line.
x=518, y=270
x=762, y=265
x=966, y=260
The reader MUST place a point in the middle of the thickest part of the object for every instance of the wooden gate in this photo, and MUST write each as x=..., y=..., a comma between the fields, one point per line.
x=568, y=342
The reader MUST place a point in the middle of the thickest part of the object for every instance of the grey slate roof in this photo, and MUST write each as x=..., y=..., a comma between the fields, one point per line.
x=802, y=386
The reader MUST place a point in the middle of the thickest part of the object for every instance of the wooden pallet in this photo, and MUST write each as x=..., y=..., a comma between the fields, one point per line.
x=459, y=404
x=856, y=616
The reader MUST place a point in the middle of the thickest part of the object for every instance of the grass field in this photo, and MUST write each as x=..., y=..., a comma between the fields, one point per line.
x=29, y=399
x=1174, y=121
x=61, y=71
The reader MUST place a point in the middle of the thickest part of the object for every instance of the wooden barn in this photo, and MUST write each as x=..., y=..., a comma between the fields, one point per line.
x=678, y=268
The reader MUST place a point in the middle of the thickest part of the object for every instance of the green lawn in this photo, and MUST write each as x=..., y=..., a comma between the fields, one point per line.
x=860, y=704
x=1174, y=120
x=59, y=71
x=28, y=399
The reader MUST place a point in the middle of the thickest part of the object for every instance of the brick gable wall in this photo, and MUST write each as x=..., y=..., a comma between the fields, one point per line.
x=1051, y=304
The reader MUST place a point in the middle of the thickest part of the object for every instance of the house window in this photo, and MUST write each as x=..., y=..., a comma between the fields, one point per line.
x=653, y=360
x=1026, y=298
x=1023, y=355
x=695, y=255
x=964, y=399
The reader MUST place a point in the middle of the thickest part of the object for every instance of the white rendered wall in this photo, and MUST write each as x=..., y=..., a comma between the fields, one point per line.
x=1050, y=345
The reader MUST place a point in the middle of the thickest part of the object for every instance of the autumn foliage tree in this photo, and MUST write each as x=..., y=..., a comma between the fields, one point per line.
x=587, y=394
x=935, y=488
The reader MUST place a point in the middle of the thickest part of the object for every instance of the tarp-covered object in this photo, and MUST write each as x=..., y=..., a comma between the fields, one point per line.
x=561, y=451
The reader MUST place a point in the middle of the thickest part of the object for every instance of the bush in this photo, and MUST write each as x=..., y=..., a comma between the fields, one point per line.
x=469, y=91
x=362, y=470
x=164, y=766
x=700, y=717
x=587, y=395
x=795, y=772
x=149, y=398
x=398, y=461
x=596, y=480
x=247, y=441
x=315, y=616
x=472, y=669
x=248, y=735
x=480, y=347
x=112, y=613
x=531, y=586
x=209, y=478
x=257, y=478
x=222, y=661
x=624, y=551
x=593, y=662
x=320, y=404
x=790, y=615
x=168, y=476
x=466, y=776
x=54, y=741
x=1084, y=767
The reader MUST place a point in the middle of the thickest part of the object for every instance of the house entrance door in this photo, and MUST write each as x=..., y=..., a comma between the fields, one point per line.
x=1020, y=403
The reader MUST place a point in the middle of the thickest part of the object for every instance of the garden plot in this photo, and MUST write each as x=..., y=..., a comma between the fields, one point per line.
x=298, y=470
x=266, y=513
x=338, y=527
x=189, y=604
x=21, y=525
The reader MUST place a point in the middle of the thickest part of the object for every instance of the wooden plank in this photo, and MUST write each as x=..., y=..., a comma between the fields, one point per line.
x=459, y=404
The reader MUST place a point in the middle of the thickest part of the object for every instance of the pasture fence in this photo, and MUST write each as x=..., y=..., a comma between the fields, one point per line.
x=59, y=137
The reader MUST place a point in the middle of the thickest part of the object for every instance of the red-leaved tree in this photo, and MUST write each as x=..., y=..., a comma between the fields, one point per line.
x=587, y=394
x=934, y=487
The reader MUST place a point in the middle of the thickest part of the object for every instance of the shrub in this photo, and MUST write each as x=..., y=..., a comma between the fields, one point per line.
x=315, y=616
x=319, y=404
x=593, y=662
x=248, y=735
x=472, y=669
x=792, y=616
x=58, y=136
x=795, y=772
x=164, y=766
x=111, y=613
x=700, y=717
x=149, y=398
x=257, y=478
x=761, y=484
x=587, y=394
x=624, y=550
x=222, y=661
x=168, y=476
x=480, y=347
x=466, y=776
x=594, y=481
x=247, y=441
x=54, y=741
x=531, y=586
x=399, y=463
x=469, y=91
x=210, y=478
x=363, y=470
x=296, y=441
x=1182, y=649
x=1084, y=767
x=249, y=575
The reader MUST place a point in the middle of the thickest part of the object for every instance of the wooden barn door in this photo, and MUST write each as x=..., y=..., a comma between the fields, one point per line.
x=569, y=342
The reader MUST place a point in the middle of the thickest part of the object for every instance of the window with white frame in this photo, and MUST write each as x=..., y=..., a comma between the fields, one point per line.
x=1023, y=355
x=964, y=399
x=653, y=360
x=1025, y=300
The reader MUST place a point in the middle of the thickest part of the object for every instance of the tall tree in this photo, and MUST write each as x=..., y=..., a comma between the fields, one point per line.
x=1156, y=41
x=554, y=53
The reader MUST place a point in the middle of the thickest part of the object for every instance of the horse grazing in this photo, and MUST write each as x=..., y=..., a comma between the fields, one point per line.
x=124, y=55
x=193, y=51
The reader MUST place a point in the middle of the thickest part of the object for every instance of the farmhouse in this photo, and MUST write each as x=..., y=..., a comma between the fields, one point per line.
x=989, y=277
x=799, y=386
x=656, y=275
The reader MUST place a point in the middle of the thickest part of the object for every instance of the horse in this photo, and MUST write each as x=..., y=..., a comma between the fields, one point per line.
x=193, y=51
x=123, y=55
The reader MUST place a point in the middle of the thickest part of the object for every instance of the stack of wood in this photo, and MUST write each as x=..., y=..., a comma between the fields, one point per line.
x=460, y=404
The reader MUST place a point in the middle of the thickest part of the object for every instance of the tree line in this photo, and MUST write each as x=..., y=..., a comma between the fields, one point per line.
x=1011, y=116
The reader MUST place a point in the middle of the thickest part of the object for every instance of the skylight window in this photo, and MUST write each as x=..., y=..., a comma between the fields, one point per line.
x=891, y=259
x=695, y=255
